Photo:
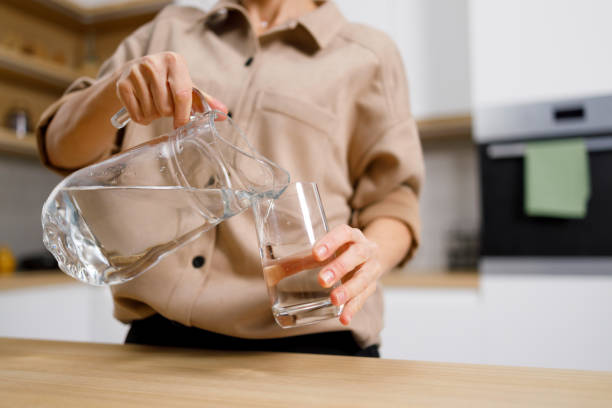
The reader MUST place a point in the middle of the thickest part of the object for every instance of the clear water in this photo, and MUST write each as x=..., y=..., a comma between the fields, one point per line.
x=107, y=235
x=296, y=295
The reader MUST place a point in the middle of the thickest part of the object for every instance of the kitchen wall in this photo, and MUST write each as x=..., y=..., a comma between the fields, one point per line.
x=432, y=36
x=526, y=50
x=449, y=201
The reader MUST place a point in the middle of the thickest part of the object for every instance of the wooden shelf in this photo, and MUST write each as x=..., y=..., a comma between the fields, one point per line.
x=23, y=147
x=457, y=127
x=34, y=69
x=71, y=15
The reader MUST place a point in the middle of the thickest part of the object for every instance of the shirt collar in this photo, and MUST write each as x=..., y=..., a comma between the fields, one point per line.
x=322, y=24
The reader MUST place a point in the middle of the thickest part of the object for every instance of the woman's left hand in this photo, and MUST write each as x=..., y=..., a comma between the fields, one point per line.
x=357, y=265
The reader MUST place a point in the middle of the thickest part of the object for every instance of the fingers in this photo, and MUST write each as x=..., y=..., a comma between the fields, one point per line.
x=157, y=85
x=369, y=272
x=155, y=75
x=356, y=303
x=160, y=85
x=127, y=96
x=354, y=256
x=215, y=103
x=274, y=273
x=144, y=97
x=335, y=239
x=180, y=85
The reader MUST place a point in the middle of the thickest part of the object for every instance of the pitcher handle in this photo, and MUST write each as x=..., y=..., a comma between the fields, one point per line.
x=198, y=105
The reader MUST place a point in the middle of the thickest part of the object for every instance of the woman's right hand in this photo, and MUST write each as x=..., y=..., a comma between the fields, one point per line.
x=158, y=85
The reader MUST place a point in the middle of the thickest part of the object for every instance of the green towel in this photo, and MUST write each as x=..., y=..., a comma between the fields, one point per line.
x=557, y=179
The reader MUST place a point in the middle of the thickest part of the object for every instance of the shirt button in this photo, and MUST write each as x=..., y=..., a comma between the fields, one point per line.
x=248, y=62
x=198, y=261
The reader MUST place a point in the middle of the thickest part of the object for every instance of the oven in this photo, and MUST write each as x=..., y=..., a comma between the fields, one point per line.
x=508, y=234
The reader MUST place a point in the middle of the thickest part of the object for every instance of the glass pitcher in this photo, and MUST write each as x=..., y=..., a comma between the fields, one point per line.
x=111, y=221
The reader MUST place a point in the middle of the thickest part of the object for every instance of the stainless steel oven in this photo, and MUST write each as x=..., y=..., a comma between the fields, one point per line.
x=507, y=233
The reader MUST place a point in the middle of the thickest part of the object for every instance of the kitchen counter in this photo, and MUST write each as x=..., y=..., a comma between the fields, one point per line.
x=20, y=280
x=440, y=279
x=395, y=278
x=45, y=373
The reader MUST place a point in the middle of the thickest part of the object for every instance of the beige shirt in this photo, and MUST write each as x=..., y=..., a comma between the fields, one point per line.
x=325, y=99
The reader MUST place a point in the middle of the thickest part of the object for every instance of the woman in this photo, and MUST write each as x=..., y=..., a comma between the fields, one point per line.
x=325, y=99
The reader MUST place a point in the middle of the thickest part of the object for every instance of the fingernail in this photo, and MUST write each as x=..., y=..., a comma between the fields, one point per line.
x=321, y=251
x=222, y=106
x=218, y=104
x=328, y=277
x=340, y=298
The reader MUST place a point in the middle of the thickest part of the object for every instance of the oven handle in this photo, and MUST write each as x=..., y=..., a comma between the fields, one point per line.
x=517, y=150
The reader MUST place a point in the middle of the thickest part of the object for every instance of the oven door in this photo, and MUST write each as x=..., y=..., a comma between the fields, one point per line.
x=508, y=231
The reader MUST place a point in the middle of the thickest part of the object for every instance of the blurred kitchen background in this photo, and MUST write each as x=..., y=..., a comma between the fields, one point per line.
x=480, y=71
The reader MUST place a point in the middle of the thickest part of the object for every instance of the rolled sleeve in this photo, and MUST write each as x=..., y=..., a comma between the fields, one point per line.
x=390, y=182
x=45, y=119
x=132, y=47
x=386, y=160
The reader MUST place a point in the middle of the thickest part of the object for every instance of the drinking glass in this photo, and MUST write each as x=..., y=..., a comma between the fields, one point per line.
x=287, y=228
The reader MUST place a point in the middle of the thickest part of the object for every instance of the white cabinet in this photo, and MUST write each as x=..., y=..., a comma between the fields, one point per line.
x=549, y=321
x=72, y=312
x=432, y=325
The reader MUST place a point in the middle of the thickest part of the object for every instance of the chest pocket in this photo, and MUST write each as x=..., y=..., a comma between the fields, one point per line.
x=298, y=136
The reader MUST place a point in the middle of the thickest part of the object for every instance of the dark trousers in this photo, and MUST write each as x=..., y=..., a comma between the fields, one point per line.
x=159, y=331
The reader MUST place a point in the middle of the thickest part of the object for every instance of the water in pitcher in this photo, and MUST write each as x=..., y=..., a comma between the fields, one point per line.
x=296, y=295
x=106, y=235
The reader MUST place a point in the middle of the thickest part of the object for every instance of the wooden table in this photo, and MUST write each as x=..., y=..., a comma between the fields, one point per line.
x=61, y=374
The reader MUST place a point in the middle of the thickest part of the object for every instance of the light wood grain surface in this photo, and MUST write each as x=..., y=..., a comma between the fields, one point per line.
x=61, y=374
x=445, y=127
x=468, y=279
x=23, y=147
x=465, y=279
x=71, y=15
x=22, y=280
x=36, y=70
